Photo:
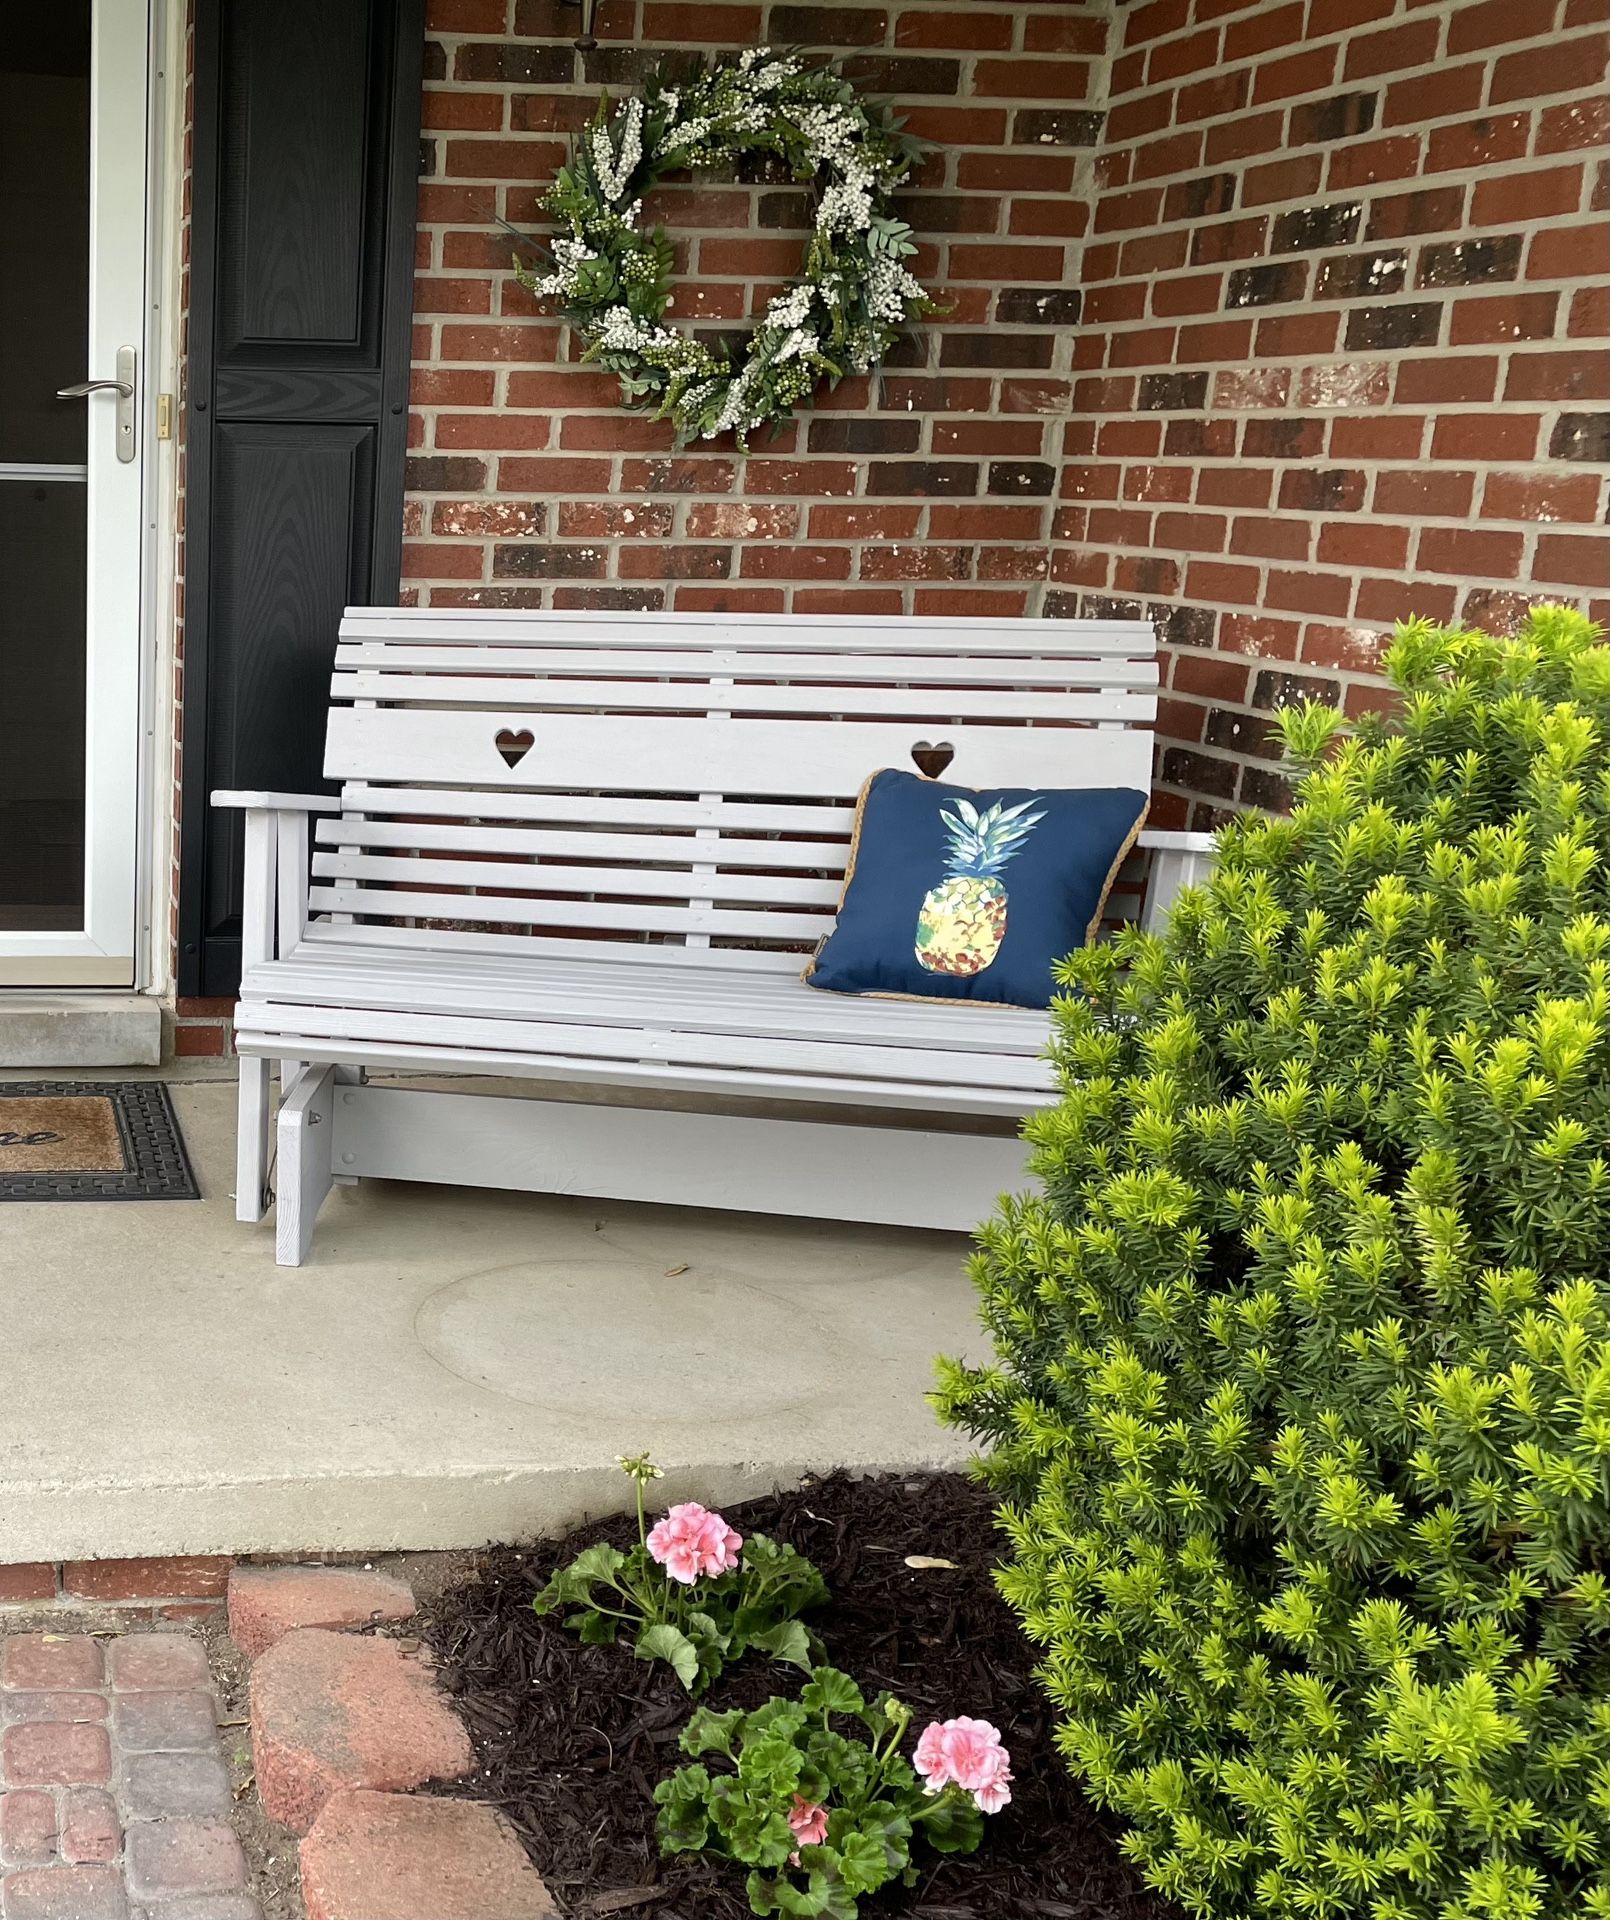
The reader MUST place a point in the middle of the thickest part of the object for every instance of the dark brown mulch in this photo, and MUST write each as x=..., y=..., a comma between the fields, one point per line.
x=572, y=1739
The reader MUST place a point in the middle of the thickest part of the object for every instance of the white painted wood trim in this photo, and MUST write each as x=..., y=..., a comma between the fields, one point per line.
x=1171, y=870
x=926, y=706
x=894, y=1175
x=1171, y=840
x=363, y=798
x=252, y=798
x=102, y=950
x=256, y=945
x=834, y=633
x=1031, y=665
x=588, y=988
x=407, y=1055
x=577, y=752
x=252, y=1140
x=771, y=1063
x=306, y=1136
x=335, y=932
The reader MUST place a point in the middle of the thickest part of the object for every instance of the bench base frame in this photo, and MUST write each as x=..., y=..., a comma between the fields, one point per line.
x=334, y=1130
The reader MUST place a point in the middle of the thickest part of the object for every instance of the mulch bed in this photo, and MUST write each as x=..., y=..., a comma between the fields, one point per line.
x=571, y=1739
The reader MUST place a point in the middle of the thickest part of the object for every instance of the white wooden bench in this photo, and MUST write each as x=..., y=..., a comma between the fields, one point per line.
x=593, y=850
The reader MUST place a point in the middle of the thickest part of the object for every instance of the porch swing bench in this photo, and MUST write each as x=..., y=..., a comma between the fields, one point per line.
x=592, y=852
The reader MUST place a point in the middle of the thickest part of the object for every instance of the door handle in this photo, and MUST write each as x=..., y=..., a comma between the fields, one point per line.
x=124, y=387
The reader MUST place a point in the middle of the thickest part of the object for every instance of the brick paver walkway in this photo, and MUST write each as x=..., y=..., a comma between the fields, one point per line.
x=114, y=1798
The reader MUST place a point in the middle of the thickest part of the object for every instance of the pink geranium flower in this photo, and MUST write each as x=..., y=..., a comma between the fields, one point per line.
x=691, y=1541
x=969, y=1754
x=808, y=1822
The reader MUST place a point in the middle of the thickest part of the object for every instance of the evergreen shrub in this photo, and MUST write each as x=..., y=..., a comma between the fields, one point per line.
x=1301, y=1415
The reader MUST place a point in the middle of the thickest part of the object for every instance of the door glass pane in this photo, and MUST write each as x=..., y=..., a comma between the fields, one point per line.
x=44, y=331
x=41, y=705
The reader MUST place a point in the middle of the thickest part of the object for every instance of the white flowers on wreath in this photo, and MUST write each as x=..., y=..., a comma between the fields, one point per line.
x=613, y=280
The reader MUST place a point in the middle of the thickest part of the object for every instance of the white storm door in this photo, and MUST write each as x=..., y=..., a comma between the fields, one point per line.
x=73, y=147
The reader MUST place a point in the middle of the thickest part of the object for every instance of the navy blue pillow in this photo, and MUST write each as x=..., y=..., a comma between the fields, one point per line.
x=954, y=894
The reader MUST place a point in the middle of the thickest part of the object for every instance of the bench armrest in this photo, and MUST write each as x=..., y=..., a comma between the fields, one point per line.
x=1178, y=860
x=1170, y=840
x=254, y=801
x=274, y=881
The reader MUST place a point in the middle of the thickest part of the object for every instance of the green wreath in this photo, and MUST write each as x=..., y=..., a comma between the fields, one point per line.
x=612, y=281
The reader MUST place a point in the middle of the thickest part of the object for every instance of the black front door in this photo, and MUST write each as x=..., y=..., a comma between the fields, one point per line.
x=304, y=195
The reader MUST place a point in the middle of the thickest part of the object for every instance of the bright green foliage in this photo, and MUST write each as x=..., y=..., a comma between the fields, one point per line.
x=1302, y=1411
x=789, y=1751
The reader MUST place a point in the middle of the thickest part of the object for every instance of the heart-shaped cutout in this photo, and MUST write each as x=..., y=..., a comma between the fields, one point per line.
x=515, y=746
x=931, y=757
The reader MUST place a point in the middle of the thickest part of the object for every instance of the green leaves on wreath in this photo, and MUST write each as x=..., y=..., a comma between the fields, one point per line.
x=613, y=281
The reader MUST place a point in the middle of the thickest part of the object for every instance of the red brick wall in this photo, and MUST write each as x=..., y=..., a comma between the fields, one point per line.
x=929, y=489
x=1346, y=294
x=1340, y=357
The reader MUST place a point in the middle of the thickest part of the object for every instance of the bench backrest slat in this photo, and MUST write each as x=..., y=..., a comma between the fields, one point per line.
x=746, y=632
x=638, y=753
x=682, y=778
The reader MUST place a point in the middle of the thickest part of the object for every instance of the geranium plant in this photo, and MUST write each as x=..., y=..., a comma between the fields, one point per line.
x=692, y=1592
x=822, y=1818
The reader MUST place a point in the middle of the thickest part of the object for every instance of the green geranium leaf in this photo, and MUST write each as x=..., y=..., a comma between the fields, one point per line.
x=670, y=1644
x=830, y=1691
x=788, y=1642
x=596, y=1629
x=864, y=1863
x=954, y=1824
x=757, y=1834
x=709, y=1732
x=683, y=1825
x=817, y=1897
x=596, y=1565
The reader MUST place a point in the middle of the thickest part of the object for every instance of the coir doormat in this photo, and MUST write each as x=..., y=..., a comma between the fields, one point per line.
x=76, y=1140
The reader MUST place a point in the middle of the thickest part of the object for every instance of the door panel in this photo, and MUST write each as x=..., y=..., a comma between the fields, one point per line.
x=292, y=510
x=306, y=160
x=295, y=166
x=73, y=145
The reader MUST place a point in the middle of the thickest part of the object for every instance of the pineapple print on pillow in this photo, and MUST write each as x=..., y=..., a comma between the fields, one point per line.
x=962, y=921
x=959, y=894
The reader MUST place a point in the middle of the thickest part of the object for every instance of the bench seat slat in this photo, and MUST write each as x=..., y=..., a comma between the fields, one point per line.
x=408, y=1055
x=671, y=1046
x=585, y=988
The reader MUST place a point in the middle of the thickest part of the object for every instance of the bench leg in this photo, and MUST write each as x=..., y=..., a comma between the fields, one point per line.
x=306, y=1134
x=251, y=1140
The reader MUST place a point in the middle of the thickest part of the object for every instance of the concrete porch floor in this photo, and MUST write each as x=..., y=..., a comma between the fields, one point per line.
x=452, y=1366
